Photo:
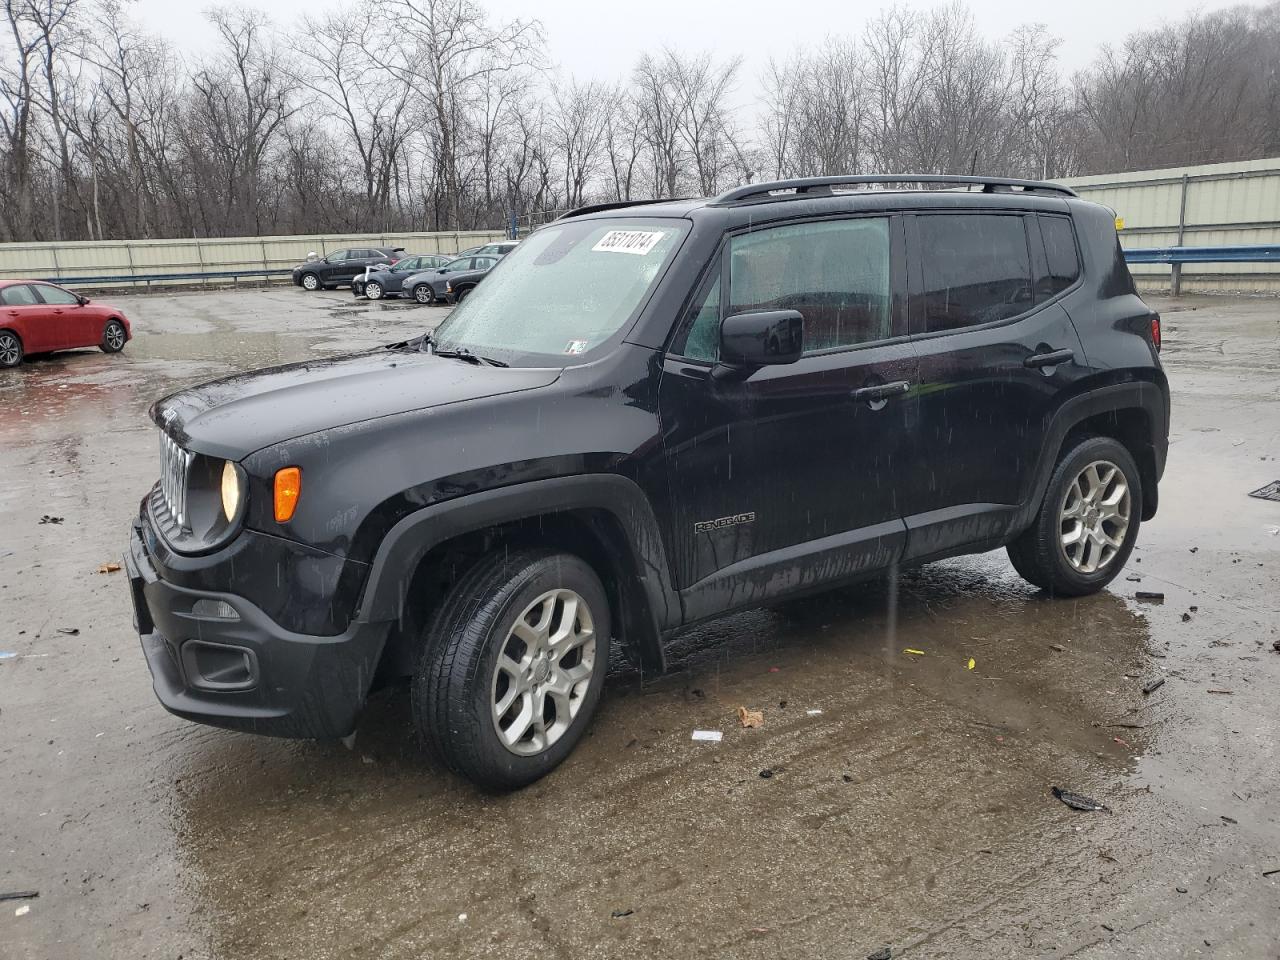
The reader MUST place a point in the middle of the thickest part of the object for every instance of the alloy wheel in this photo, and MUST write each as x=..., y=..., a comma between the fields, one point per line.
x=373, y=290
x=543, y=672
x=311, y=282
x=10, y=350
x=115, y=336
x=1095, y=516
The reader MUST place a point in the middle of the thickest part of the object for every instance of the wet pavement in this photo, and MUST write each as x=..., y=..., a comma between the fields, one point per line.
x=913, y=811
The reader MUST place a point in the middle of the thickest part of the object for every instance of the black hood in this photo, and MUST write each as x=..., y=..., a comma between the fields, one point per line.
x=233, y=417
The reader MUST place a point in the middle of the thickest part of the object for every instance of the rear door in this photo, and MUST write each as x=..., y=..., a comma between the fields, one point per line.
x=996, y=352
x=82, y=327
x=40, y=329
x=787, y=478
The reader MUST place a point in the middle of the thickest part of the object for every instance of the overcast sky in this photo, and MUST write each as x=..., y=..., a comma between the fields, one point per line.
x=591, y=38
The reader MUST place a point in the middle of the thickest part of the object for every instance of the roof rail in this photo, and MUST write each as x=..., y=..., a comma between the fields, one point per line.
x=821, y=186
x=615, y=205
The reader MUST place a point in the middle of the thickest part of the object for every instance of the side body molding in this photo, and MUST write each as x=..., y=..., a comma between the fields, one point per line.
x=643, y=565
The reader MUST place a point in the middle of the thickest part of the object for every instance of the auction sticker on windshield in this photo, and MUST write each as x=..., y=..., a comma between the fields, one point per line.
x=628, y=241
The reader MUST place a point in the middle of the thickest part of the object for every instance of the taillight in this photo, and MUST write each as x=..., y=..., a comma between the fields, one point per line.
x=1155, y=330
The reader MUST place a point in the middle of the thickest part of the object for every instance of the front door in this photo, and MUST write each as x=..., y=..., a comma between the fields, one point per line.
x=80, y=327
x=996, y=352
x=786, y=478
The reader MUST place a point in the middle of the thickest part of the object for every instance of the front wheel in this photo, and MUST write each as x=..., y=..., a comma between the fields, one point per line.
x=424, y=294
x=462, y=294
x=113, y=337
x=1087, y=524
x=10, y=349
x=310, y=282
x=513, y=666
x=373, y=290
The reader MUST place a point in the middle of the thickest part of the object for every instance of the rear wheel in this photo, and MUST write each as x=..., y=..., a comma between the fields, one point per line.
x=1088, y=522
x=513, y=666
x=10, y=349
x=373, y=290
x=113, y=337
x=424, y=294
x=310, y=282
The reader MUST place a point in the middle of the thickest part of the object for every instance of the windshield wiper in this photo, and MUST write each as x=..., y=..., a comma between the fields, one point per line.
x=462, y=353
x=426, y=343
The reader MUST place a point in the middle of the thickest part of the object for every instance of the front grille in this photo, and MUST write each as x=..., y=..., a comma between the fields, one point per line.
x=174, y=463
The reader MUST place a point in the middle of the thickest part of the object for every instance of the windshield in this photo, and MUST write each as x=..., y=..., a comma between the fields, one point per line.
x=566, y=289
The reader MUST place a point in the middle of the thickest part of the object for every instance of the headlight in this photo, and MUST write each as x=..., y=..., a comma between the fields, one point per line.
x=448, y=287
x=230, y=490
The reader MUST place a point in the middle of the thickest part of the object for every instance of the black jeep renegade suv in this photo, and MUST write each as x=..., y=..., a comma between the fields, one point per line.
x=649, y=416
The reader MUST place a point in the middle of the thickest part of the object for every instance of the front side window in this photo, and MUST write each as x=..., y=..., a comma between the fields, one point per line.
x=20, y=296
x=835, y=272
x=57, y=296
x=566, y=289
x=340, y=255
x=976, y=270
x=483, y=263
x=413, y=263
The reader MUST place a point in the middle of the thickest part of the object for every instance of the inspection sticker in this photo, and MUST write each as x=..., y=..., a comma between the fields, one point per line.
x=576, y=347
x=628, y=241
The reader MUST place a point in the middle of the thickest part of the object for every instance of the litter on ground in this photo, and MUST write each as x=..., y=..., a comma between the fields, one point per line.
x=711, y=736
x=750, y=718
x=1078, y=801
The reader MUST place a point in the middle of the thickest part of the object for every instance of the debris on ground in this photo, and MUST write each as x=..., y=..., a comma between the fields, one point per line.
x=1231, y=820
x=48, y=519
x=971, y=664
x=1057, y=646
x=1227, y=692
x=884, y=953
x=1153, y=686
x=1181, y=889
x=1149, y=596
x=914, y=652
x=1271, y=873
x=750, y=718
x=619, y=914
x=766, y=774
x=1134, y=578
x=20, y=895
x=109, y=568
x=23, y=910
x=782, y=704
x=846, y=778
x=1186, y=617
x=1276, y=646
x=711, y=736
x=69, y=631
x=815, y=712
x=1123, y=743
x=1270, y=492
x=1078, y=801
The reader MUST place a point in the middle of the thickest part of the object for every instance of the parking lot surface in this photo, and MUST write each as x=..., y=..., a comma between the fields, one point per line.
x=888, y=800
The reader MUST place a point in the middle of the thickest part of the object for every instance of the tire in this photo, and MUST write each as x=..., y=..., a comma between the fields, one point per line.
x=462, y=294
x=424, y=294
x=373, y=290
x=458, y=686
x=113, y=337
x=310, y=282
x=1040, y=554
x=11, y=351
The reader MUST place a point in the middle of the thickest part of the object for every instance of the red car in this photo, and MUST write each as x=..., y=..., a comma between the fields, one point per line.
x=37, y=317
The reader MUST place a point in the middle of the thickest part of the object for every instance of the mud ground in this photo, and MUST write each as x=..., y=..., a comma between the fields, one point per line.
x=914, y=811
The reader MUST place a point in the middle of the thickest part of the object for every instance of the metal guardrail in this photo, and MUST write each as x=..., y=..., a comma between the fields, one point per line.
x=1176, y=256
x=1253, y=253
x=149, y=278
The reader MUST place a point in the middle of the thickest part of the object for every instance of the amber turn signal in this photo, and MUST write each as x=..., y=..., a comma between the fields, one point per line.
x=288, y=486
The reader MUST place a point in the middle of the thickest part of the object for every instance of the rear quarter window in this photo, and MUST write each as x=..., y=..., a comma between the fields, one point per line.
x=1062, y=260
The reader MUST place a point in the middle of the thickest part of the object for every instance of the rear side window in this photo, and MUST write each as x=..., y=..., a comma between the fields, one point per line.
x=18, y=297
x=835, y=272
x=1060, y=256
x=975, y=270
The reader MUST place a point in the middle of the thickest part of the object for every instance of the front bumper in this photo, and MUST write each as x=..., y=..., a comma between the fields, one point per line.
x=248, y=673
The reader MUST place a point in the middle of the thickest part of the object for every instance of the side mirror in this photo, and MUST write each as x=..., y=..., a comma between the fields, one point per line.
x=769, y=338
x=84, y=301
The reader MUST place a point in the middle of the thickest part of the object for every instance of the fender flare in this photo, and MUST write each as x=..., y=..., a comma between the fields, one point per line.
x=1143, y=395
x=414, y=535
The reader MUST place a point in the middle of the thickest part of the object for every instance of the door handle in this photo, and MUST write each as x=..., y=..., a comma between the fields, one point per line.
x=881, y=391
x=1050, y=359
